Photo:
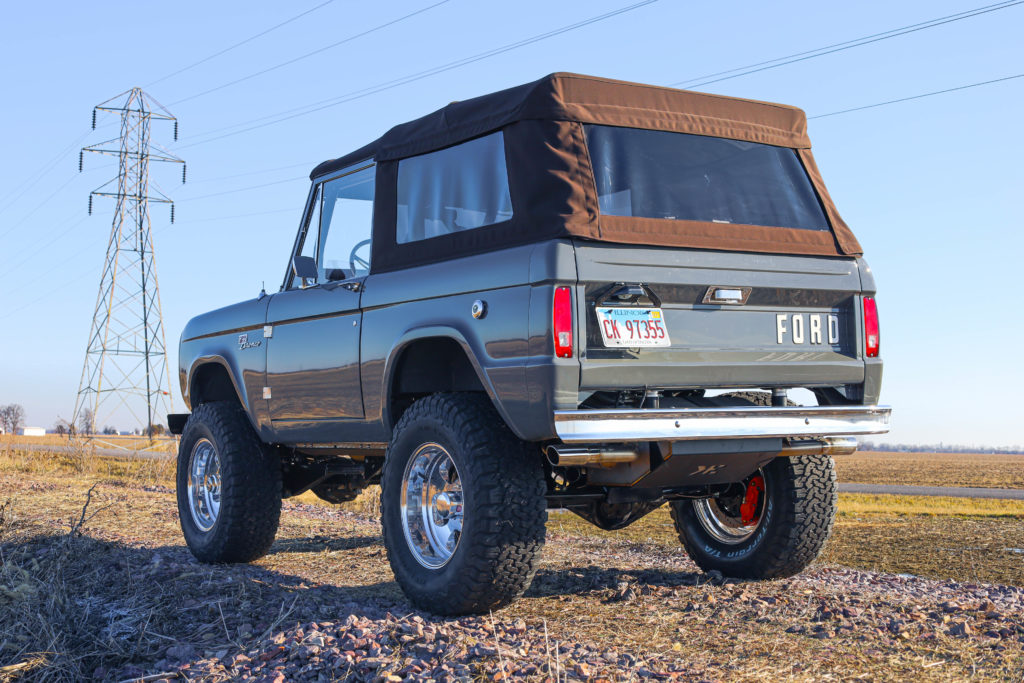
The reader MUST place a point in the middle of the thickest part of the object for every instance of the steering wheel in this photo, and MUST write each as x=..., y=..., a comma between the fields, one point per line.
x=356, y=262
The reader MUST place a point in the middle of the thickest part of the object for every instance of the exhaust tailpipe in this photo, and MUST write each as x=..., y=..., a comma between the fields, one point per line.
x=833, y=445
x=561, y=455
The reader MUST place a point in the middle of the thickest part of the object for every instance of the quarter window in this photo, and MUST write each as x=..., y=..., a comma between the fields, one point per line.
x=455, y=189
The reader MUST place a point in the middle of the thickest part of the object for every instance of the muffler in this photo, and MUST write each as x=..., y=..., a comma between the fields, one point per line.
x=561, y=455
x=832, y=445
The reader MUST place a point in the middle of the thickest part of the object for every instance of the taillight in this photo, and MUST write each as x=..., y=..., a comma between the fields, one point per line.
x=562, y=322
x=871, y=340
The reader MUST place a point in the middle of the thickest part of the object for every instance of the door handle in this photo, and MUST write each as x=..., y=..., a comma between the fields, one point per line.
x=352, y=286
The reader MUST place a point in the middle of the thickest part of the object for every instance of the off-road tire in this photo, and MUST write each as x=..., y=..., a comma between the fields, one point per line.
x=795, y=524
x=505, y=510
x=250, y=503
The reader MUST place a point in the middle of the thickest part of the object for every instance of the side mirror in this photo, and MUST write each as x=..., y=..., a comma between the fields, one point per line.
x=305, y=269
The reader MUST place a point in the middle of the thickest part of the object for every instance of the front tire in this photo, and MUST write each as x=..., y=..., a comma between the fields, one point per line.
x=771, y=525
x=463, y=507
x=228, y=486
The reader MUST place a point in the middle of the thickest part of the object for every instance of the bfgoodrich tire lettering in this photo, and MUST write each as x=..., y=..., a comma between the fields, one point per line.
x=796, y=521
x=249, y=510
x=503, y=522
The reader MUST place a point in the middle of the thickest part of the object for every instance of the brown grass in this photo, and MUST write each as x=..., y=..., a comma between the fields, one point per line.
x=164, y=444
x=121, y=588
x=933, y=469
x=973, y=547
x=79, y=460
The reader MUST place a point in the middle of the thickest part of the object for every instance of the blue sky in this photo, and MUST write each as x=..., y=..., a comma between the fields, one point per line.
x=931, y=187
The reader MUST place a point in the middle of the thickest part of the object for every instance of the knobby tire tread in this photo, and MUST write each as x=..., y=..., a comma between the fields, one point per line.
x=250, y=510
x=509, y=506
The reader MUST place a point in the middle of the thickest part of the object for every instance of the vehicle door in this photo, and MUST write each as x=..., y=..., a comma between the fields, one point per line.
x=313, y=345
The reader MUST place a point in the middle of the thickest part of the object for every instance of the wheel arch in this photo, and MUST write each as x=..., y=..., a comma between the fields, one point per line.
x=211, y=378
x=452, y=366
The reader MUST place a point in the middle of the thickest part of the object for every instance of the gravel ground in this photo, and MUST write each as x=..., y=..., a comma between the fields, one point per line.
x=323, y=606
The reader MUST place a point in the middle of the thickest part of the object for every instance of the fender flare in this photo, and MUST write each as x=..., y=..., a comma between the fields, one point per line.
x=434, y=332
x=217, y=359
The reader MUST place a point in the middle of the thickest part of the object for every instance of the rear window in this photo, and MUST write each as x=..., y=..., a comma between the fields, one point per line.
x=455, y=189
x=658, y=174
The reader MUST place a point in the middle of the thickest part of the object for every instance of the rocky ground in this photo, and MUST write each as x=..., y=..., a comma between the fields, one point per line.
x=121, y=598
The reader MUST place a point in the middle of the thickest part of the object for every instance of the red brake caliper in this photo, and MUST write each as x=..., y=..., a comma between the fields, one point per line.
x=748, y=511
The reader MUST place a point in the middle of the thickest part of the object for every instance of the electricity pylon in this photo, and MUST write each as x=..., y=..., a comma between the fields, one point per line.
x=126, y=363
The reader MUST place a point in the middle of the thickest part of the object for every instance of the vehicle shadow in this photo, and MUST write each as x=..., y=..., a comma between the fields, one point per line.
x=320, y=543
x=591, y=579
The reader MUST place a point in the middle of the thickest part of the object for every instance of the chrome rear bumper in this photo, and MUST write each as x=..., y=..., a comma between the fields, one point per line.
x=611, y=426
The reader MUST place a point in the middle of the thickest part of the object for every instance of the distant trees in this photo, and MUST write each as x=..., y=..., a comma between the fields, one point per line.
x=63, y=427
x=937, y=448
x=156, y=430
x=12, y=417
x=108, y=430
x=86, y=422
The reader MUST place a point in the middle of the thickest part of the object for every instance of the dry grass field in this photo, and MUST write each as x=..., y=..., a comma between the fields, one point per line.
x=933, y=469
x=163, y=444
x=95, y=582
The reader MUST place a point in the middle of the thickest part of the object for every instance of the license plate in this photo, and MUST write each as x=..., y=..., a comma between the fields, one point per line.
x=633, y=327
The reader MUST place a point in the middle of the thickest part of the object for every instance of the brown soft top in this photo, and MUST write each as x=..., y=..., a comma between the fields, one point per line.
x=588, y=99
x=550, y=174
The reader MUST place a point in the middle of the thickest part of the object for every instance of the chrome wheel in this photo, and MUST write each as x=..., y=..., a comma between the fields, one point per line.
x=432, y=505
x=732, y=519
x=204, y=484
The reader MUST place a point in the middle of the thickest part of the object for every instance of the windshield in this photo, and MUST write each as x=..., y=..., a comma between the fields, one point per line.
x=658, y=174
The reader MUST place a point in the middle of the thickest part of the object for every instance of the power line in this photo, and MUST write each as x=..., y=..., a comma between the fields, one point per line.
x=243, y=189
x=62, y=287
x=28, y=258
x=34, y=178
x=314, y=52
x=47, y=200
x=238, y=44
x=290, y=209
x=388, y=85
x=917, y=97
x=839, y=47
x=306, y=164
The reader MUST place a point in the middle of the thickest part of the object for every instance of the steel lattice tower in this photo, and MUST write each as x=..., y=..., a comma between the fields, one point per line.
x=126, y=363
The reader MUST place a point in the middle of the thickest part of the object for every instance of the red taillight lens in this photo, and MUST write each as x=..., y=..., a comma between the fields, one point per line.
x=562, y=323
x=871, y=340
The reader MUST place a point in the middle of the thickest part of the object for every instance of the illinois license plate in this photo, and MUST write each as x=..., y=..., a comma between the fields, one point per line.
x=633, y=327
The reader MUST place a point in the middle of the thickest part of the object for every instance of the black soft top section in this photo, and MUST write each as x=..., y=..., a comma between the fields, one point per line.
x=457, y=122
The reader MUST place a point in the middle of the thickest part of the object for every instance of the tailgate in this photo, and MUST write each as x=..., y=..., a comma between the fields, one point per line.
x=795, y=326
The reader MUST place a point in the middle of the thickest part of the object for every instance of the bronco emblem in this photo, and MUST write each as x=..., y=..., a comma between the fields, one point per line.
x=244, y=343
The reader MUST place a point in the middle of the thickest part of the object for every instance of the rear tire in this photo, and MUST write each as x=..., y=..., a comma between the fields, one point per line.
x=463, y=507
x=794, y=521
x=228, y=485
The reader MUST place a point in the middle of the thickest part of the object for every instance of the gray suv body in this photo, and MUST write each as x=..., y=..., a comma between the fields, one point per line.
x=577, y=293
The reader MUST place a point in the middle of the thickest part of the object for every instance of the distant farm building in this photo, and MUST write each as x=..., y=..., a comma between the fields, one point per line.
x=31, y=431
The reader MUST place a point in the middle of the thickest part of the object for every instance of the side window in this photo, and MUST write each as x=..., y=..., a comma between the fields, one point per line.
x=343, y=249
x=459, y=188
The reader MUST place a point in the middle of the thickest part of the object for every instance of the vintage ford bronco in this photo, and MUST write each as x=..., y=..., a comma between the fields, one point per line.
x=576, y=293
